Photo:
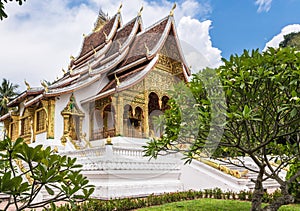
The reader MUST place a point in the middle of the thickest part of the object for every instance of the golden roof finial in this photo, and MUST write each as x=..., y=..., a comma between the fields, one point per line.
x=84, y=35
x=94, y=50
x=120, y=7
x=147, y=49
x=63, y=71
x=117, y=80
x=172, y=10
x=6, y=99
x=27, y=85
x=45, y=85
x=101, y=21
x=72, y=57
x=140, y=12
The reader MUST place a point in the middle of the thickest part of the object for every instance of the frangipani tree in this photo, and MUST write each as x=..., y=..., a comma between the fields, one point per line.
x=262, y=117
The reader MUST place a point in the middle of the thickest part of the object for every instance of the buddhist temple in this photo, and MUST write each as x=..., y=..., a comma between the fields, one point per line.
x=102, y=110
x=118, y=81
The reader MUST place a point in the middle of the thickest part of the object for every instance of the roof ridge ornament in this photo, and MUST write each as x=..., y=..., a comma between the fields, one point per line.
x=140, y=12
x=64, y=71
x=102, y=19
x=45, y=85
x=172, y=10
x=27, y=84
x=117, y=80
x=120, y=7
x=147, y=49
x=106, y=37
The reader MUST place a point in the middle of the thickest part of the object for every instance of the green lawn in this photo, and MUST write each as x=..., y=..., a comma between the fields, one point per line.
x=212, y=205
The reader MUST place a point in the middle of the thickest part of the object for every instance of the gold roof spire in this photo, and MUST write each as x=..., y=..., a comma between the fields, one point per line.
x=101, y=21
x=120, y=7
x=27, y=85
x=172, y=10
x=45, y=85
x=141, y=10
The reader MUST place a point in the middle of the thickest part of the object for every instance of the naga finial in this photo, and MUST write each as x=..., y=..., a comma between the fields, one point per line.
x=63, y=70
x=140, y=12
x=120, y=7
x=27, y=85
x=72, y=58
x=45, y=85
x=117, y=80
x=172, y=10
x=147, y=49
x=105, y=35
x=94, y=50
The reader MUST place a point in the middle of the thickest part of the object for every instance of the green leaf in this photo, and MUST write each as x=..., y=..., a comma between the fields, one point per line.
x=49, y=190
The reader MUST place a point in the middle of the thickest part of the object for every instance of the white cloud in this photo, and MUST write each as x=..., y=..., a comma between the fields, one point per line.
x=198, y=47
x=38, y=37
x=263, y=5
x=274, y=42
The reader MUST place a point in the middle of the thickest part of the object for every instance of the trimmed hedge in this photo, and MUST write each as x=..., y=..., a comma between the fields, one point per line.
x=152, y=200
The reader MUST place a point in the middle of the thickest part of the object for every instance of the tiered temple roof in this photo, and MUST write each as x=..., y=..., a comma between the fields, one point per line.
x=124, y=54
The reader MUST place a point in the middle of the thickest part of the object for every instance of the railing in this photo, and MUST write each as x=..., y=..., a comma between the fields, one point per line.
x=107, y=150
x=124, y=151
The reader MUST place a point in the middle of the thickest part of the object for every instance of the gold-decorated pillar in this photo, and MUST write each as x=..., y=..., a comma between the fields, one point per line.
x=146, y=114
x=50, y=117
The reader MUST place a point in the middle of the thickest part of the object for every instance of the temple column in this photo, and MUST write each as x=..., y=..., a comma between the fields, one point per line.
x=117, y=102
x=80, y=127
x=146, y=114
x=91, y=122
x=66, y=128
x=50, y=118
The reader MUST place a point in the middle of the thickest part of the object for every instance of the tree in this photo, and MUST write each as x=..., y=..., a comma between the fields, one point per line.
x=291, y=40
x=2, y=8
x=261, y=110
x=7, y=92
x=27, y=171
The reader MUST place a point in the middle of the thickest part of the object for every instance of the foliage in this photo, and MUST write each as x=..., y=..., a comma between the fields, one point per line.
x=208, y=195
x=2, y=8
x=294, y=187
x=26, y=172
x=291, y=40
x=262, y=116
x=7, y=92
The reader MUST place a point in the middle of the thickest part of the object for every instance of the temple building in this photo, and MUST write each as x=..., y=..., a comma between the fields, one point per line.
x=102, y=112
x=114, y=87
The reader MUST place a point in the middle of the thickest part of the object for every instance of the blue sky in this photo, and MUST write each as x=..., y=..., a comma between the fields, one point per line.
x=238, y=25
x=38, y=37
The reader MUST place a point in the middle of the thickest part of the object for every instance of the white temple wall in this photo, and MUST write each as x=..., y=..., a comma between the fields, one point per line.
x=85, y=93
x=41, y=136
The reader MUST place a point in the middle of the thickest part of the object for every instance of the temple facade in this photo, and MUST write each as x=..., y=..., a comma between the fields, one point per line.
x=115, y=86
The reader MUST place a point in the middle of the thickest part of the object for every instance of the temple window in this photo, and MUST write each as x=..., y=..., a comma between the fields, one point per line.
x=13, y=128
x=153, y=102
x=165, y=105
x=25, y=126
x=40, y=123
x=108, y=121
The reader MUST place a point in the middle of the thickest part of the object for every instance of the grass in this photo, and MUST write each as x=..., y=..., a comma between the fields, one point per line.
x=211, y=205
